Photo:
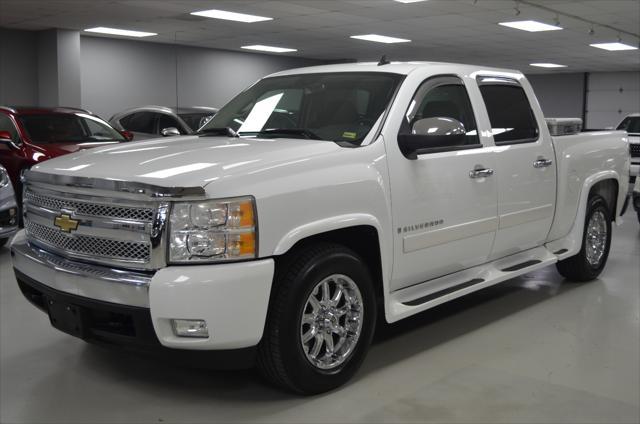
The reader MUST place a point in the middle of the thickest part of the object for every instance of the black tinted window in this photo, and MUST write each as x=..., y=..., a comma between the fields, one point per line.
x=196, y=120
x=7, y=125
x=631, y=124
x=61, y=127
x=139, y=122
x=168, y=121
x=510, y=113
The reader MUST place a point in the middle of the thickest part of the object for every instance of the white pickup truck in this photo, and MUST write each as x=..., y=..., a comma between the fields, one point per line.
x=313, y=203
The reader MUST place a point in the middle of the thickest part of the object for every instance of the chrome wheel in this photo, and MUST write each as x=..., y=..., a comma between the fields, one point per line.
x=331, y=321
x=596, y=238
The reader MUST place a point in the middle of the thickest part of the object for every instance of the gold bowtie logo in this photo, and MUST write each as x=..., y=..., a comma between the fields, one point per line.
x=65, y=223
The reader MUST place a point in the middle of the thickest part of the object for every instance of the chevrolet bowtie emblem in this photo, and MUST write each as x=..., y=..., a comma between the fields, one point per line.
x=65, y=223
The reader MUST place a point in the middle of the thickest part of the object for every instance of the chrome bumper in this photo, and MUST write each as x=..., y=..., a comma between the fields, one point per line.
x=78, y=278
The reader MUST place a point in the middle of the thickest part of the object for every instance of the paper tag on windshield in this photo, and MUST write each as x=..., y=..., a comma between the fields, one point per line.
x=350, y=135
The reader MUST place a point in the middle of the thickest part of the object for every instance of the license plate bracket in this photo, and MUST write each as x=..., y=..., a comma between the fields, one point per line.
x=66, y=317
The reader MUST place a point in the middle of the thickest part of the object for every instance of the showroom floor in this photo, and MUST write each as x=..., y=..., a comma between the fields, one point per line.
x=533, y=349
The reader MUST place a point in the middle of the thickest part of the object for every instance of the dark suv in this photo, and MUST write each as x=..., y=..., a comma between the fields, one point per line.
x=29, y=135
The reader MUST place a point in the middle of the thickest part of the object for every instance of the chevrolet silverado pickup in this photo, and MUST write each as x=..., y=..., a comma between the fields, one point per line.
x=313, y=203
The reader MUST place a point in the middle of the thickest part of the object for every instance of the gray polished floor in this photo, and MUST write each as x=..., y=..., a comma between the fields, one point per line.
x=534, y=349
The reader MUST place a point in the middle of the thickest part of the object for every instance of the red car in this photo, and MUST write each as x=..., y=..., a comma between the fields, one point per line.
x=29, y=135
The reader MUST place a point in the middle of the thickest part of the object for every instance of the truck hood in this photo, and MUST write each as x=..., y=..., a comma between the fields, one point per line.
x=185, y=161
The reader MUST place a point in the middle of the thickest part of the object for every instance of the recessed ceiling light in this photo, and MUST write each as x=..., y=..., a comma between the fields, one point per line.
x=380, y=38
x=271, y=49
x=613, y=47
x=123, y=32
x=409, y=1
x=231, y=16
x=547, y=65
x=531, y=26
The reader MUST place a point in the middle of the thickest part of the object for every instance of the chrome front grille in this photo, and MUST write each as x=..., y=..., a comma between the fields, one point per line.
x=90, y=209
x=120, y=233
x=90, y=246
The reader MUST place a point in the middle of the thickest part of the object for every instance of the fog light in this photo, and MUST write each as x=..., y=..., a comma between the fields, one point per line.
x=190, y=328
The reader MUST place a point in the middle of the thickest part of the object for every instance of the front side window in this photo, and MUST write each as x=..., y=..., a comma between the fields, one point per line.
x=48, y=128
x=168, y=121
x=142, y=122
x=7, y=125
x=630, y=124
x=330, y=106
x=439, y=118
x=512, y=120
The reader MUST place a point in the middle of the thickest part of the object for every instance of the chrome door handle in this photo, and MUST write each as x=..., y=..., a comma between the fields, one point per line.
x=481, y=173
x=542, y=163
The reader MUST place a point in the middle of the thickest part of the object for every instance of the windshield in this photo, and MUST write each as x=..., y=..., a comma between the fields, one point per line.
x=52, y=128
x=631, y=124
x=196, y=120
x=330, y=106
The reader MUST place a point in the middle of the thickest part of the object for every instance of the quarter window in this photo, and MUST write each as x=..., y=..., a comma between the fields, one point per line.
x=510, y=113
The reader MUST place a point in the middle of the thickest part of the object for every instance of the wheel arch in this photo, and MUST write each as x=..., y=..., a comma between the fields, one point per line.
x=362, y=234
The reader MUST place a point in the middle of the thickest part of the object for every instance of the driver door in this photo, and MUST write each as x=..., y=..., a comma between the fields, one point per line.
x=444, y=201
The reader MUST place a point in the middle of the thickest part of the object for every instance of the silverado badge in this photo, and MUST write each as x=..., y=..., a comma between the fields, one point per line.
x=65, y=223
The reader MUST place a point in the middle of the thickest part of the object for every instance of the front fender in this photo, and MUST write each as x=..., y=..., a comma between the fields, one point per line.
x=325, y=225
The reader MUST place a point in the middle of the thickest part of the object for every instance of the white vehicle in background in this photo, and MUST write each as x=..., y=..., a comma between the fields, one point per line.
x=8, y=208
x=631, y=124
x=315, y=201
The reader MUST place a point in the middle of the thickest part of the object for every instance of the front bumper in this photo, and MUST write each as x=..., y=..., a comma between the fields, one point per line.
x=634, y=170
x=232, y=298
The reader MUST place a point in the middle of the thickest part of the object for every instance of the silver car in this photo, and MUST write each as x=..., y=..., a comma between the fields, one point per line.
x=8, y=208
x=155, y=121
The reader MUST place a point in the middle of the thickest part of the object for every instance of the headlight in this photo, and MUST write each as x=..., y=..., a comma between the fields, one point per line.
x=4, y=177
x=213, y=230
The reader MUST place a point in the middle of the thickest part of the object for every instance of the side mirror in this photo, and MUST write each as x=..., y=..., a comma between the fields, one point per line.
x=169, y=132
x=5, y=138
x=128, y=135
x=431, y=134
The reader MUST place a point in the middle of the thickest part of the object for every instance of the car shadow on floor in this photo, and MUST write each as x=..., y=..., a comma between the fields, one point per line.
x=392, y=343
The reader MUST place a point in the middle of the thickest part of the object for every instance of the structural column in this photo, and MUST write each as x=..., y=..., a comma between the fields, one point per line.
x=59, y=68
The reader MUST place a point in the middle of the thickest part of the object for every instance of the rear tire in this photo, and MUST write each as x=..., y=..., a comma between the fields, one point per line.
x=596, y=242
x=3, y=241
x=299, y=326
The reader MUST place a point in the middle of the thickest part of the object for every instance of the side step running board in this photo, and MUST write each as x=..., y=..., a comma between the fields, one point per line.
x=425, y=299
x=521, y=266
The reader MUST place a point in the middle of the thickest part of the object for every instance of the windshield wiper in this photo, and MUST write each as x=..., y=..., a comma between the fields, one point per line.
x=290, y=131
x=228, y=131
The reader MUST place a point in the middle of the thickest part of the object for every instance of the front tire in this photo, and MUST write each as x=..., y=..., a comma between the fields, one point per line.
x=596, y=242
x=321, y=320
x=3, y=241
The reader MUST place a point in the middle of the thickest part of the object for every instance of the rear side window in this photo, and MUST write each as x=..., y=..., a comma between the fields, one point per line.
x=510, y=113
x=139, y=122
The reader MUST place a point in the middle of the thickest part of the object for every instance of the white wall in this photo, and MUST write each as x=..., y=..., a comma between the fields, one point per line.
x=611, y=96
x=118, y=74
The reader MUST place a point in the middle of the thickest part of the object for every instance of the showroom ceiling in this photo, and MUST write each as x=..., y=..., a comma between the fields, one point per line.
x=446, y=30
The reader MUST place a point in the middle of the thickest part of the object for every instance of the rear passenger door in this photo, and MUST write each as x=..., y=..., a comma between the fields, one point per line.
x=525, y=168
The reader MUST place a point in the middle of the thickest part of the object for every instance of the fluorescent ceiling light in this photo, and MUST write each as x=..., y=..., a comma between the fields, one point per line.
x=531, y=26
x=613, y=47
x=547, y=65
x=123, y=32
x=230, y=16
x=409, y=1
x=271, y=49
x=380, y=38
